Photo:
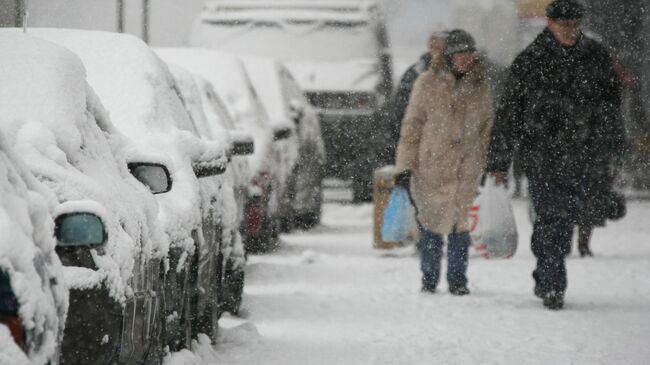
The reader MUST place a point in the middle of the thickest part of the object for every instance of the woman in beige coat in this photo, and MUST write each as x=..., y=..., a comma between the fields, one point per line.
x=442, y=146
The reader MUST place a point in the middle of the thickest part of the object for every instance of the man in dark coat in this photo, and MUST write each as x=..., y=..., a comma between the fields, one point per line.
x=400, y=101
x=560, y=112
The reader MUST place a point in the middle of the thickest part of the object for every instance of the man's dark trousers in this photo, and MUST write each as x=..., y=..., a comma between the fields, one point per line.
x=552, y=232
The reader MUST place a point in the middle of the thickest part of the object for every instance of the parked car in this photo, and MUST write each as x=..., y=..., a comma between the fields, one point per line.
x=231, y=259
x=108, y=237
x=269, y=172
x=339, y=53
x=33, y=297
x=286, y=104
x=143, y=101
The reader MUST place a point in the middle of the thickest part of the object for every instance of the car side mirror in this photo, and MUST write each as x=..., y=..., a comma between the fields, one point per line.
x=281, y=133
x=243, y=147
x=208, y=168
x=152, y=175
x=80, y=229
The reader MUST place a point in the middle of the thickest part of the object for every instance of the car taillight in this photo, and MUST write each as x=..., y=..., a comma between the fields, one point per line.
x=15, y=326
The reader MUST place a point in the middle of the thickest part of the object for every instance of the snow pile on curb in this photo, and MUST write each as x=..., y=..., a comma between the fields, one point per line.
x=202, y=353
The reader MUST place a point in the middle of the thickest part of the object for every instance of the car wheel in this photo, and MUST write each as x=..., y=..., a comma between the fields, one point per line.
x=208, y=322
x=233, y=288
x=309, y=220
x=268, y=238
x=361, y=191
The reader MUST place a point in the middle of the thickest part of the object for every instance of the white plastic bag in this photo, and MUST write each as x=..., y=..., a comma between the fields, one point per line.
x=492, y=222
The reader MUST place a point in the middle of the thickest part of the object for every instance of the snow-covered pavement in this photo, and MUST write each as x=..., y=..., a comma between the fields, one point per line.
x=327, y=297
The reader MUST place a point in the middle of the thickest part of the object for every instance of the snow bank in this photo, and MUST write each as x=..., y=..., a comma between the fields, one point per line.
x=27, y=255
x=57, y=125
x=202, y=353
x=358, y=305
x=139, y=92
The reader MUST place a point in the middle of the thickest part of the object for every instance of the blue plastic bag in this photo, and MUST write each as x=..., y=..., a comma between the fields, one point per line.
x=398, y=216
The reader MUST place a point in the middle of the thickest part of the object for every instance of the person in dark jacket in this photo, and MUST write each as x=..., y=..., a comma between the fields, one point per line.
x=561, y=114
x=431, y=59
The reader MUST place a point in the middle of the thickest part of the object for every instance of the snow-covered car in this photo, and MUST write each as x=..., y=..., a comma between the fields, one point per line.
x=231, y=258
x=286, y=104
x=338, y=52
x=110, y=242
x=143, y=101
x=33, y=297
x=268, y=166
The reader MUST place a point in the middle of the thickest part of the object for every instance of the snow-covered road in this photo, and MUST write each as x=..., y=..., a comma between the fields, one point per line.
x=327, y=297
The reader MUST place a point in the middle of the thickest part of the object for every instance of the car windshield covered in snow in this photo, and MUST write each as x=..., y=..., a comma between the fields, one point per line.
x=292, y=38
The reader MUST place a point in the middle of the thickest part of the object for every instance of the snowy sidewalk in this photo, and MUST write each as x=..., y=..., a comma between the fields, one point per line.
x=328, y=298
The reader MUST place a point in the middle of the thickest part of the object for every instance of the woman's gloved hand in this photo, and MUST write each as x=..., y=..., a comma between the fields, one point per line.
x=403, y=179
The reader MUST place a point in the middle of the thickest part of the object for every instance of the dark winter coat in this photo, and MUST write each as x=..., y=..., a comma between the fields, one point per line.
x=403, y=92
x=560, y=112
x=400, y=102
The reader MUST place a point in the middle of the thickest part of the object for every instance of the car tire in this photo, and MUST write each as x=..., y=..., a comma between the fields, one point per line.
x=361, y=191
x=208, y=322
x=312, y=219
x=308, y=220
x=268, y=239
x=233, y=288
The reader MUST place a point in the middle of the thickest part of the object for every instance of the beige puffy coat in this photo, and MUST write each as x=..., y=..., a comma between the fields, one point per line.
x=443, y=141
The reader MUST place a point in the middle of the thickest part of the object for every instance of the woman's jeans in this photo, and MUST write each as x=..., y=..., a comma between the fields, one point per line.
x=431, y=255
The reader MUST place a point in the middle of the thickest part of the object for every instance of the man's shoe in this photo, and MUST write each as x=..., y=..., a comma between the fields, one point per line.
x=554, y=300
x=428, y=289
x=459, y=291
x=539, y=292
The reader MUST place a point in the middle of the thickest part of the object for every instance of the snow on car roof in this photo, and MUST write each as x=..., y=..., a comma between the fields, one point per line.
x=141, y=96
x=58, y=126
x=122, y=62
x=227, y=75
x=27, y=255
x=41, y=82
x=193, y=102
x=265, y=76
